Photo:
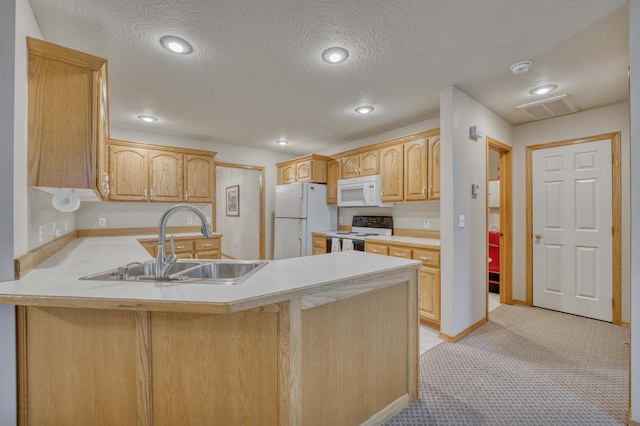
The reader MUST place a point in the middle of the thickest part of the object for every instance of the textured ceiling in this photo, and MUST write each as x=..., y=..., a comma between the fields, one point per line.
x=256, y=75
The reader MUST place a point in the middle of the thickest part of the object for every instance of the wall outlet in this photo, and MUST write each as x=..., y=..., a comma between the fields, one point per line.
x=189, y=220
x=461, y=221
x=40, y=233
x=102, y=221
x=426, y=223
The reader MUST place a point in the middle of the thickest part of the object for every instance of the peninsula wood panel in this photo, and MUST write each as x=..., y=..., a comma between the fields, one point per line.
x=344, y=343
x=215, y=369
x=67, y=351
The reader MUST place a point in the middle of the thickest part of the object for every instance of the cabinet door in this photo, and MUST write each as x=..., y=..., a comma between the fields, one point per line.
x=128, y=168
x=319, y=244
x=166, y=176
x=369, y=163
x=434, y=168
x=415, y=170
x=430, y=295
x=333, y=171
x=392, y=173
x=350, y=166
x=102, y=178
x=198, y=179
x=288, y=174
x=304, y=171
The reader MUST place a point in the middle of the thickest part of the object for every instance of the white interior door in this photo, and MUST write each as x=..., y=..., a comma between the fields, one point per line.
x=572, y=228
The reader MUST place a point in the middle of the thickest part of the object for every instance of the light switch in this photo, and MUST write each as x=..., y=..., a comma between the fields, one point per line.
x=460, y=221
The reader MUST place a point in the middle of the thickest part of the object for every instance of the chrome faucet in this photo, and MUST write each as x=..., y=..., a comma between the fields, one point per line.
x=164, y=262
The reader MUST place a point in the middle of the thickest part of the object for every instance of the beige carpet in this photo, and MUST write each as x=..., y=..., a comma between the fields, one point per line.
x=526, y=366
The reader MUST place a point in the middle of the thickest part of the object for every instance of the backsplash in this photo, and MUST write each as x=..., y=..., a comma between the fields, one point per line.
x=423, y=215
x=45, y=222
x=96, y=215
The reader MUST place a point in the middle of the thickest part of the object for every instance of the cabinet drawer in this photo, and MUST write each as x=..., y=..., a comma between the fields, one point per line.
x=181, y=246
x=428, y=257
x=400, y=252
x=207, y=244
x=319, y=250
x=377, y=248
x=207, y=254
x=320, y=242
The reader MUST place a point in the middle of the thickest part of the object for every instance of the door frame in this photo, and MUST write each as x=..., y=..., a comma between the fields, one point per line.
x=262, y=199
x=616, y=217
x=506, y=215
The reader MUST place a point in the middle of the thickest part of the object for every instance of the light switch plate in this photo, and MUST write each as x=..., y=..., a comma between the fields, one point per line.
x=461, y=221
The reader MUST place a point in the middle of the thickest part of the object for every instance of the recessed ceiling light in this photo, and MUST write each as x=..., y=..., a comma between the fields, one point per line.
x=282, y=142
x=543, y=90
x=147, y=118
x=520, y=67
x=335, y=55
x=364, y=109
x=176, y=45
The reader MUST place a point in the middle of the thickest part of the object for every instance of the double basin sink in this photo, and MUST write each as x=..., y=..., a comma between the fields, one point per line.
x=189, y=271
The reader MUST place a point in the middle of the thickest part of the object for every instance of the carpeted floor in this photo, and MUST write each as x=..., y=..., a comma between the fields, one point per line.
x=526, y=366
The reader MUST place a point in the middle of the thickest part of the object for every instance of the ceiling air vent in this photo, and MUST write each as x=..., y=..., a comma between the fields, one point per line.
x=548, y=108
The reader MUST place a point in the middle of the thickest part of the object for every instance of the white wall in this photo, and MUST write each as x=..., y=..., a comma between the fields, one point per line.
x=463, y=250
x=634, y=52
x=607, y=119
x=8, y=405
x=241, y=234
x=26, y=25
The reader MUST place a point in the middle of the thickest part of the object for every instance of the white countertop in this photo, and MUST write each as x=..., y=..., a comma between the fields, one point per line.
x=58, y=277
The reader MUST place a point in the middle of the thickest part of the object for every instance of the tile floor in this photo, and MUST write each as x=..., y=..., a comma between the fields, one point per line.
x=429, y=337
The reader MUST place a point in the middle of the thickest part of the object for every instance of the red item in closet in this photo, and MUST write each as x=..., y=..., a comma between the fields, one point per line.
x=494, y=252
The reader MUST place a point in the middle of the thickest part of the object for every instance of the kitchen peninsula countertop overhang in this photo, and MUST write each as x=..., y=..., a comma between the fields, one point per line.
x=313, y=278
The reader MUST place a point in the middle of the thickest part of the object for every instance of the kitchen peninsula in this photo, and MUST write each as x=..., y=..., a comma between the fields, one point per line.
x=329, y=339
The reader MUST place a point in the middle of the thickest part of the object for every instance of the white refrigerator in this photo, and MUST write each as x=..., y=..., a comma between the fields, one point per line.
x=301, y=208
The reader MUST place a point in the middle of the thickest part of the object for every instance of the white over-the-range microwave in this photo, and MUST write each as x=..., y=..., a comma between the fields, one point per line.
x=365, y=191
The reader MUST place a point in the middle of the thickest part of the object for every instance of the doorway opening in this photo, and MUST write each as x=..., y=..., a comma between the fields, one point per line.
x=242, y=224
x=499, y=225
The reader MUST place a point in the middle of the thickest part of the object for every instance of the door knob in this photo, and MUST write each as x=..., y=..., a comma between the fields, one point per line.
x=538, y=236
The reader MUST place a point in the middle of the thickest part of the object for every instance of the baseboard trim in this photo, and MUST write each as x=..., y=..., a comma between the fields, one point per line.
x=430, y=323
x=633, y=423
x=520, y=302
x=453, y=339
x=388, y=412
x=25, y=263
x=628, y=325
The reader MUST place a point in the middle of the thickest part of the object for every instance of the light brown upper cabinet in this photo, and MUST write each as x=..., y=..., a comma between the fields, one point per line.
x=198, y=170
x=415, y=170
x=310, y=168
x=68, y=120
x=391, y=172
x=129, y=172
x=333, y=172
x=434, y=168
x=366, y=163
x=141, y=172
x=165, y=176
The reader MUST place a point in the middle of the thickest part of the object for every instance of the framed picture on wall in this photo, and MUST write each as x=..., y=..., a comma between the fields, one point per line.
x=233, y=200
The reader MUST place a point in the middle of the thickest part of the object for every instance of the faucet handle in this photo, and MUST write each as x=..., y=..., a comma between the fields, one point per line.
x=172, y=245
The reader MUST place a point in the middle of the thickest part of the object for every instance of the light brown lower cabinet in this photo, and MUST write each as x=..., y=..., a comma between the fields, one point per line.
x=429, y=276
x=187, y=247
x=319, y=243
x=324, y=360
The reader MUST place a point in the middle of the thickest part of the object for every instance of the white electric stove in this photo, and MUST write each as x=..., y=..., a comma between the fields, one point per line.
x=361, y=227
